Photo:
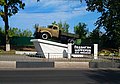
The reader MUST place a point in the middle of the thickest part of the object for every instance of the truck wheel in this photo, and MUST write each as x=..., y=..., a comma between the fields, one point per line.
x=44, y=36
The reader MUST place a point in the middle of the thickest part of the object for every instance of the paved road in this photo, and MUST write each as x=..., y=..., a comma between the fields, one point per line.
x=59, y=76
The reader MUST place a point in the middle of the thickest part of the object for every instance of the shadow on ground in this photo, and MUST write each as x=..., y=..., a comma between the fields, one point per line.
x=105, y=76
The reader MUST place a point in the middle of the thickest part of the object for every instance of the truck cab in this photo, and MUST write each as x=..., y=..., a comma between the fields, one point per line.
x=49, y=32
x=54, y=30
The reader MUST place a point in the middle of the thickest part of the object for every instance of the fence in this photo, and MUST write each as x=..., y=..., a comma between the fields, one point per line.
x=17, y=41
x=64, y=57
x=21, y=41
x=109, y=58
x=59, y=57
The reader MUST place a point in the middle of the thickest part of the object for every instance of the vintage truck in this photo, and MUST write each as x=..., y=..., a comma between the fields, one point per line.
x=53, y=31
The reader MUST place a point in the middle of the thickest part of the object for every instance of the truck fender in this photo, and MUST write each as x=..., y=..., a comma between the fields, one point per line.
x=46, y=32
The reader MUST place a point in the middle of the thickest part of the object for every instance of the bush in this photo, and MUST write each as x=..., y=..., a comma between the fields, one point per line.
x=104, y=52
x=109, y=52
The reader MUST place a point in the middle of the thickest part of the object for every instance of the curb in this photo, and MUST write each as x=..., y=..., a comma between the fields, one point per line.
x=71, y=64
x=74, y=65
x=18, y=64
x=34, y=64
x=8, y=64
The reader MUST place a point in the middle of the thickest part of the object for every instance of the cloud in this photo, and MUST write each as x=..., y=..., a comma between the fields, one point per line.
x=54, y=9
x=47, y=11
x=62, y=14
x=52, y=5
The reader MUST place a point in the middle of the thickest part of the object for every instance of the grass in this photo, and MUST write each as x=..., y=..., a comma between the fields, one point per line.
x=12, y=52
x=15, y=48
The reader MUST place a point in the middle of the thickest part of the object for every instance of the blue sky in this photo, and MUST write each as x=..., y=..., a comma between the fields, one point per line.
x=47, y=11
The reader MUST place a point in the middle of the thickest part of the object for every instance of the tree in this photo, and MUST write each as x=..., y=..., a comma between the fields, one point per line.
x=26, y=33
x=14, y=32
x=17, y=32
x=109, y=19
x=9, y=8
x=95, y=37
x=2, y=36
x=81, y=30
x=2, y=31
x=64, y=27
x=54, y=23
x=60, y=25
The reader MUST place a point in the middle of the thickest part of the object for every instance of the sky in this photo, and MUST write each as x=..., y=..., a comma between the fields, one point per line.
x=47, y=11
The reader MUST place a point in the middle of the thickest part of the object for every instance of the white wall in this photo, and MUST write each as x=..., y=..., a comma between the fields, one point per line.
x=53, y=49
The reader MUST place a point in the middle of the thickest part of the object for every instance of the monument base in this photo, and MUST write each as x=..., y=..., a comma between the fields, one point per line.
x=50, y=49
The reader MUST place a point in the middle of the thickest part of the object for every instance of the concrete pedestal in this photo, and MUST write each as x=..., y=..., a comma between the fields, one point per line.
x=50, y=49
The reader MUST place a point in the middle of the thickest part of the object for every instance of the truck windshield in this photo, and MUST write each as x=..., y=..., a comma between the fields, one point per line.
x=55, y=28
x=50, y=26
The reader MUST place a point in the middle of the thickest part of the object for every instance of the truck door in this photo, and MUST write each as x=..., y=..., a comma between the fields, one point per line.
x=55, y=31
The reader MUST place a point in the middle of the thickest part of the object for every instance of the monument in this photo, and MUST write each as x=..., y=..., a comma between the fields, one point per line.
x=49, y=49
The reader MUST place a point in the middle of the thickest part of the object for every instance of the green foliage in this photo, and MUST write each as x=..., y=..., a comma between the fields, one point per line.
x=2, y=36
x=26, y=33
x=12, y=7
x=109, y=52
x=109, y=19
x=16, y=36
x=81, y=30
x=1, y=2
x=64, y=27
x=104, y=53
x=7, y=9
x=60, y=25
x=16, y=32
x=54, y=23
x=19, y=33
x=77, y=41
x=2, y=32
x=95, y=36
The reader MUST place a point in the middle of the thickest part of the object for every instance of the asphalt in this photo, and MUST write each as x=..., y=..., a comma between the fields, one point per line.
x=59, y=76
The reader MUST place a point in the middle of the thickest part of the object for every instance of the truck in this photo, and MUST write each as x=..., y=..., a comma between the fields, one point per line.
x=53, y=31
